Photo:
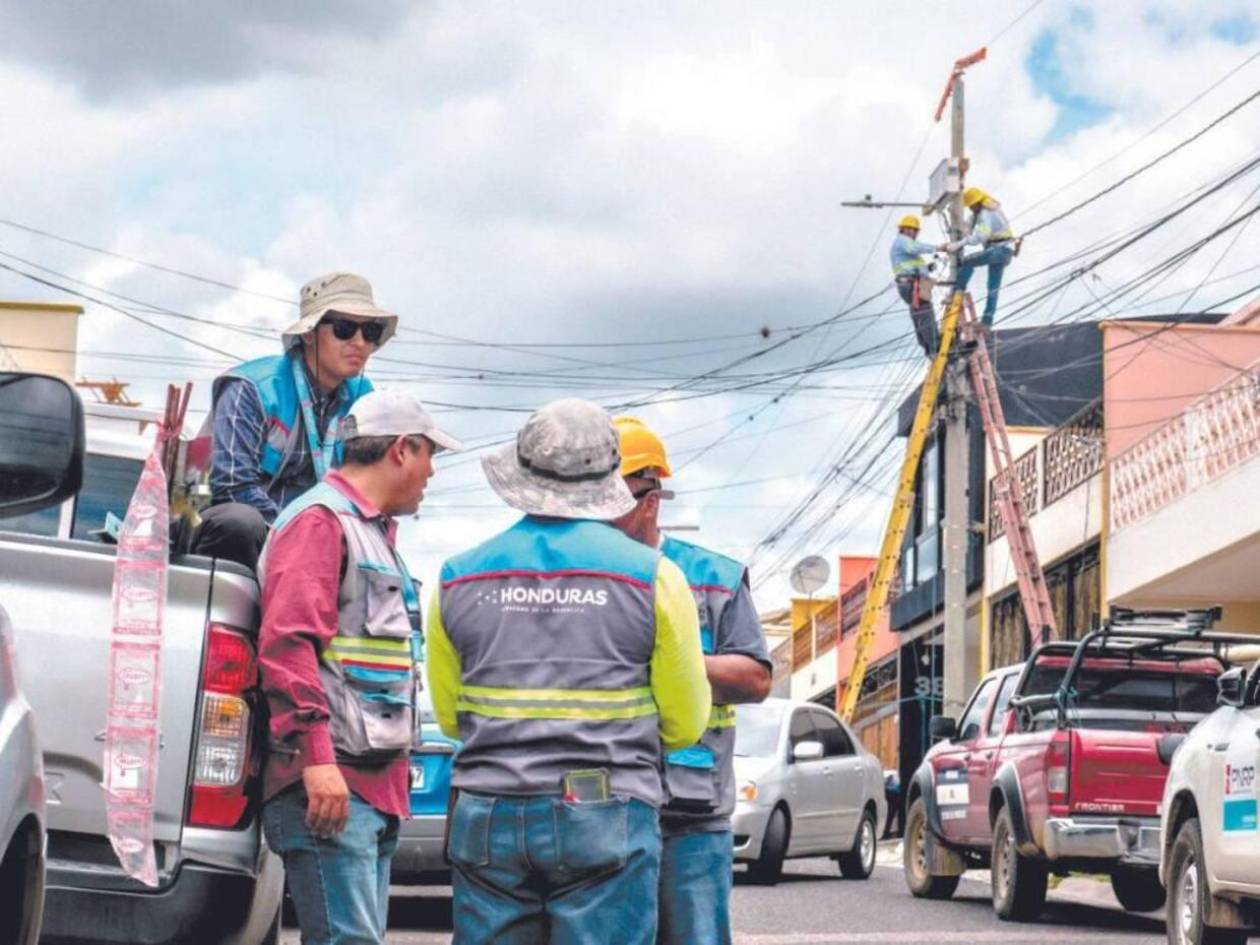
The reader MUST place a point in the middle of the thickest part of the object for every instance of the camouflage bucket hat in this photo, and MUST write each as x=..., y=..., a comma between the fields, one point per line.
x=565, y=464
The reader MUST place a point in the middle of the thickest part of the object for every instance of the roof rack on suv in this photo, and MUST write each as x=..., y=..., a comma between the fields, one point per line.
x=1195, y=621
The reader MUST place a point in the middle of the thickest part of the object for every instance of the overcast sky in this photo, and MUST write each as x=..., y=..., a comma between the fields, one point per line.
x=603, y=178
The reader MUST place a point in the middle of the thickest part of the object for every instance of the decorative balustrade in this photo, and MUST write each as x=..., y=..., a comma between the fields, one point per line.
x=1213, y=435
x=1025, y=470
x=1054, y=467
x=1074, y=452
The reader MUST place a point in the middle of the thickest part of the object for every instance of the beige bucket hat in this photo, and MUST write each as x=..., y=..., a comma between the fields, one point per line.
x=337, y=292
x=565, y=463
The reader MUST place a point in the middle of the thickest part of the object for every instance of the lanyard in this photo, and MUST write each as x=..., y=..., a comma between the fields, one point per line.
x=322, y=457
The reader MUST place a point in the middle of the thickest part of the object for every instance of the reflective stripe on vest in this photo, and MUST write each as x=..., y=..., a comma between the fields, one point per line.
x=502, y=703
x=272, y=377
x=555, y=624
x=722, y=716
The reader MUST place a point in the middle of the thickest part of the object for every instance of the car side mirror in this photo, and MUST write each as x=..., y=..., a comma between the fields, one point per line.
x=807, y=751
x=943, y=728
x=41, y=442
x=1231, y=687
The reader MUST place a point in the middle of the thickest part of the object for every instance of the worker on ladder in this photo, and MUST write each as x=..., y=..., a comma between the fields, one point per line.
x=912, y=273
x=991, y=230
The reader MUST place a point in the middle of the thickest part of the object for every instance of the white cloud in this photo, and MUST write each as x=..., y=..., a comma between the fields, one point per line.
x=597, y=174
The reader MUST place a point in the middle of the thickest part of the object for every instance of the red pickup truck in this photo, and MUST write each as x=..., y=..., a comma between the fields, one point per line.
x=1059, y=764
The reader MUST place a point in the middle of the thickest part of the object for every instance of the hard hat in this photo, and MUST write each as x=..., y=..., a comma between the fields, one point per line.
x=909, y=221
x=973, y=196
x=640, y=447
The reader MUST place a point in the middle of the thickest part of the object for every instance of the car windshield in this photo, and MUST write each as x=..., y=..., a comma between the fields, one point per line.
x=757, y=730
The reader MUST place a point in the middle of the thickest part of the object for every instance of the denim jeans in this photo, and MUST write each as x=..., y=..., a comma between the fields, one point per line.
x=996, y=258
x=339, y=885
x=696, y=889
x=537, y=870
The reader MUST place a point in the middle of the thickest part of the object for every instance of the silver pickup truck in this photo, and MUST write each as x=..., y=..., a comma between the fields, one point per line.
x=218, y=882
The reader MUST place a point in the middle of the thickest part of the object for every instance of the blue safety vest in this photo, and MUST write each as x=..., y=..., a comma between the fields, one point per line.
x=272, y=377
x=700, y=780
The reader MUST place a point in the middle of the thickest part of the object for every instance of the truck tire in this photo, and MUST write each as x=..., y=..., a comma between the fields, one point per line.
x=1137, y=889
x=1019, y=882
x=859, y=863
x=1189, y=896
x=768, y=868
x=919, y=881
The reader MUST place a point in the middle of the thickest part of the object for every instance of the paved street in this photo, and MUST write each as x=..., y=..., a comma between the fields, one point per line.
x=814, y=906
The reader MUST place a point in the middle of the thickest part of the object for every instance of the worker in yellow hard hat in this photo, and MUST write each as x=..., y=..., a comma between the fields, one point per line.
x=696, y=834
x=911, y=265
x=992, y=231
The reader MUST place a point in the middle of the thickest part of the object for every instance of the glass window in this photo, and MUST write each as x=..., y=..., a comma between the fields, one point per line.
x=43, y=522
x=1003, y=700
x=757, y=730
x=969, y=727
x=929, y=485
x=835, y=740
x=927, y=560
x=802, y=729
x=108, y=482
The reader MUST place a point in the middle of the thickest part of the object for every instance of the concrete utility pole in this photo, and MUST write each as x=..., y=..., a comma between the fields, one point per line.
x=958, y=681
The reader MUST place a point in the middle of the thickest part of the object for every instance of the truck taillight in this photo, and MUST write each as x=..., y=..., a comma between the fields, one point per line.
x=222, y=763
x=1057, y=762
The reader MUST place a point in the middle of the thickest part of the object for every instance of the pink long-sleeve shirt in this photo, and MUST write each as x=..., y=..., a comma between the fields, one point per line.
x=299, y=606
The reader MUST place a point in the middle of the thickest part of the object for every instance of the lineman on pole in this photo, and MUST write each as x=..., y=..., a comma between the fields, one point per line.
x=991, y=230
x=911, y=272
x=699, y=780
x=564, y=655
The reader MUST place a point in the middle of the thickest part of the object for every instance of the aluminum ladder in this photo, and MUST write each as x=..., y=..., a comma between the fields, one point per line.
x=1032, y=582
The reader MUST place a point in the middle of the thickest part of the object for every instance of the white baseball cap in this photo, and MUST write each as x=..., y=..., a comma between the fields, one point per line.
x=394, y=413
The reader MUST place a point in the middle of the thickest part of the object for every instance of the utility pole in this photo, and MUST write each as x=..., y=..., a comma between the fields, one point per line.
x=956, y=534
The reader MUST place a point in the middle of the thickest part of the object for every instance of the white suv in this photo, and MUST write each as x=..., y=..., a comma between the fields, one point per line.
x=1210, y=862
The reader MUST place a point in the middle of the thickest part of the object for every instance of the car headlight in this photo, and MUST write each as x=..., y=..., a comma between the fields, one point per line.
x=746, y=790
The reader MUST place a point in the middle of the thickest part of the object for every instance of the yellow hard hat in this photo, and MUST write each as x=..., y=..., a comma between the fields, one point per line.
x=640, y=447
x=973, y=196
x=909, y=221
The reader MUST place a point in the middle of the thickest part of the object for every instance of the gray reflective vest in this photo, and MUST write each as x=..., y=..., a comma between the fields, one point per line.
x=368, y=669
x=554, y=623
x=700, y=780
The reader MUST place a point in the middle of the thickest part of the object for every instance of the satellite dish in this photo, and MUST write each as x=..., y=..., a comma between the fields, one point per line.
x=809, y=574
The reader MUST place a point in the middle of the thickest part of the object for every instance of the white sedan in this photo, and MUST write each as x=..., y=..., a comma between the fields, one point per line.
x=804, y=786
x=1210, y=862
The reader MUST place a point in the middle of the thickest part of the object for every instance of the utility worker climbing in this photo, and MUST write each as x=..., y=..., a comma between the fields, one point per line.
x=912, y=274
x=991, y=230
x=696, y=837
x=566, y=656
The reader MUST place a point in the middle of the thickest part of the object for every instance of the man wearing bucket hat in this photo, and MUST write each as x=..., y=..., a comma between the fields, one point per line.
x=563, y=654
x=274, y=420
x=339, y=639
x=697, y=844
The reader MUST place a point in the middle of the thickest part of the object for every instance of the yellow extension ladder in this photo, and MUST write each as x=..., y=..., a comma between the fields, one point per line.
x=1032, y=583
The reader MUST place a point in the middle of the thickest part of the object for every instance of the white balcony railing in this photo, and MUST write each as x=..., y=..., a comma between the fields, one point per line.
x=1215, y=434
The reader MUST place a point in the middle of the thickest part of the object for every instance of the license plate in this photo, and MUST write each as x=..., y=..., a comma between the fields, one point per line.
x=417, y=778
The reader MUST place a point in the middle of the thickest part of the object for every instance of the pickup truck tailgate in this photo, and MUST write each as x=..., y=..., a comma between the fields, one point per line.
x=58, y=594
x=1115, y=772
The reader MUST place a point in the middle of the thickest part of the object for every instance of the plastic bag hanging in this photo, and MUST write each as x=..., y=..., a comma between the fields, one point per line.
x=132, y=735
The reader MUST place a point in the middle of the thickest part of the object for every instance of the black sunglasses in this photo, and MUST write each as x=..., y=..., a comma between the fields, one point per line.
x=344, y=328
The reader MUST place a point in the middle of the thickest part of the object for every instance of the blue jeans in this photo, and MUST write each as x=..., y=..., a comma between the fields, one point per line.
x=996, y=258
x=340, y=885
x=696, y=889
x=537, y=870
